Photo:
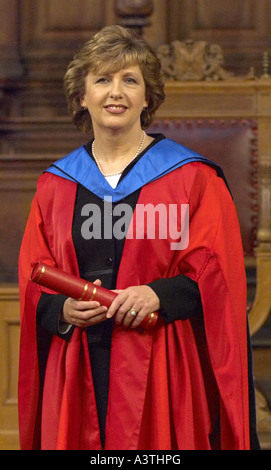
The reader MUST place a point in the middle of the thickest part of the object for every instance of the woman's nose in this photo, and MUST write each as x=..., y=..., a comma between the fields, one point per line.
x=116, y=89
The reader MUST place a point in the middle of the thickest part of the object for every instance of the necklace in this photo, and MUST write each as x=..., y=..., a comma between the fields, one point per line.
x=118, y=172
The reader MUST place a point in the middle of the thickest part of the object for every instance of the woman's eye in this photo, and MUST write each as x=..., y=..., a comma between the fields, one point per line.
x=130, y=80
x=102, y=80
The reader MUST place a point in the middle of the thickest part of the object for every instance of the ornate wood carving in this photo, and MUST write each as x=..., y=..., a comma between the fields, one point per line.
x=192, y=61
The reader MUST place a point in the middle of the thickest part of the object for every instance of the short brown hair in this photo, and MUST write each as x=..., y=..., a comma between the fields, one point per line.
x=113, y=48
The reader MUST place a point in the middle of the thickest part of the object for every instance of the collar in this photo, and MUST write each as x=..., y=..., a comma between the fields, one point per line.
x=160, y=159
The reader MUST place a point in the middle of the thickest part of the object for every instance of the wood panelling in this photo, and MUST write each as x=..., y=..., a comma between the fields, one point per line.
x=262, y=359
x=233, y=14
x=241, y=27
x=10, y=65
x=52, y=31
x=47, y=24
x=9, y=353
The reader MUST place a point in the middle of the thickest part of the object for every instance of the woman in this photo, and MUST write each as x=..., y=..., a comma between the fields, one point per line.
x=98, y=380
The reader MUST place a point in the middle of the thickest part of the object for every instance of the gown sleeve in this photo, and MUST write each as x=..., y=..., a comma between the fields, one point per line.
x=49, y=310
x=179, y=298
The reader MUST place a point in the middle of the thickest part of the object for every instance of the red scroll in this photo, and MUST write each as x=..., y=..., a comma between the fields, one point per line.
x=77, y=288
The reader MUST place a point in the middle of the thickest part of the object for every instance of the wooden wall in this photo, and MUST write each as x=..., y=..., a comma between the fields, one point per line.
x=242, y=28
x=38, y=39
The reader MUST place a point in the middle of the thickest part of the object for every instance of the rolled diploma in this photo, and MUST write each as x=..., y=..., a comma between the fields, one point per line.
x=77, y=288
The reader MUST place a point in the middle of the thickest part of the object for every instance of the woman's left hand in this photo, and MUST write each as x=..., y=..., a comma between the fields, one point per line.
x=132, y=305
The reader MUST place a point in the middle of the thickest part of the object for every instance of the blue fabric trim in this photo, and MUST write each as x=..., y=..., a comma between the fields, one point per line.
x=160, y=159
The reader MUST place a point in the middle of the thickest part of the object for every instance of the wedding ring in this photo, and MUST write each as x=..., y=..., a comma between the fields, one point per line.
x=133, y=312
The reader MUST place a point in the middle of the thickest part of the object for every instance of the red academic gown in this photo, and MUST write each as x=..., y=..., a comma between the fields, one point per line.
x=183, y=385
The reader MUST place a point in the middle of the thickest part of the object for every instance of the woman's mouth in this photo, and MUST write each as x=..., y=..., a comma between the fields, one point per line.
x=115, y=108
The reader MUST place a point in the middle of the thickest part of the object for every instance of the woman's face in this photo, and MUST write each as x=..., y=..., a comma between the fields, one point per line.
x=115, y=100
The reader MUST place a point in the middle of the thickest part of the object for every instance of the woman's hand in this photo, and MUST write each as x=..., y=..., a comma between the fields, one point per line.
x=83, y=313
x=132, y=305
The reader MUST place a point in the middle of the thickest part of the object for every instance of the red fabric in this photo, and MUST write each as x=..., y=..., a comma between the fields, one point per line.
x=66, y=418
x=168, y=387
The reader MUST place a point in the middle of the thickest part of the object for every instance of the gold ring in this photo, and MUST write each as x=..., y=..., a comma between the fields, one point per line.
x=133, y=312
